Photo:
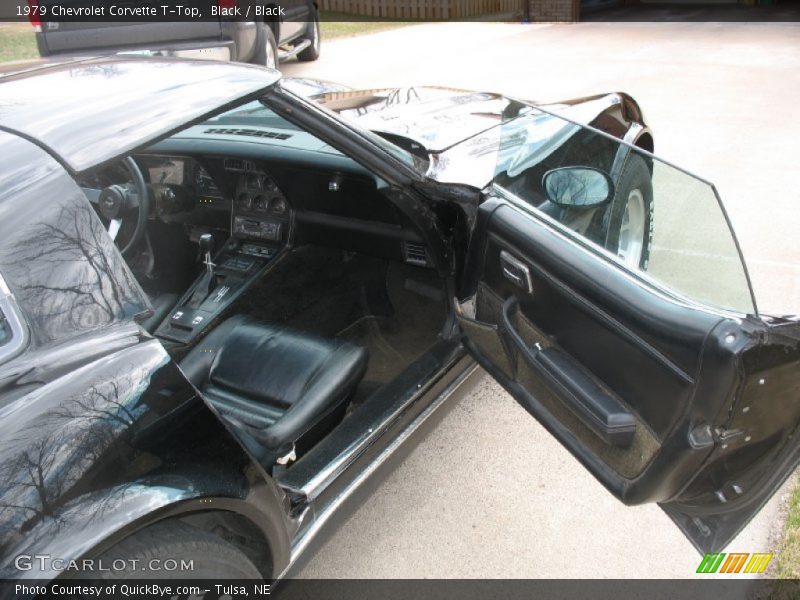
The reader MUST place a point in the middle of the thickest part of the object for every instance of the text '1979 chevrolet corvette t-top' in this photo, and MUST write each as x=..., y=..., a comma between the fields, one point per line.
x=227, y=301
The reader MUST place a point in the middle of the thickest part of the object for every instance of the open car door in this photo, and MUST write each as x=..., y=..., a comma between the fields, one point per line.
x=605, y=290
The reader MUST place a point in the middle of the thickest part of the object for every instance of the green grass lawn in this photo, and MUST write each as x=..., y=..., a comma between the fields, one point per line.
x=785, y=568
x=788, y=556
x=17, y=41
x=333, y=28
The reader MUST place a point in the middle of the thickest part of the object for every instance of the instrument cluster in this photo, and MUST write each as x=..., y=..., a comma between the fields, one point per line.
x=256, y=192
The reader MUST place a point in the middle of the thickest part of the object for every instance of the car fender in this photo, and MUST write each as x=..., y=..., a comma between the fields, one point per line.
x=90, y=453
x=91, y=524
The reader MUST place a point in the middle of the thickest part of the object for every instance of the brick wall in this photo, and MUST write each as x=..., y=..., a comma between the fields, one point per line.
x=554, y=10
x=421, y=9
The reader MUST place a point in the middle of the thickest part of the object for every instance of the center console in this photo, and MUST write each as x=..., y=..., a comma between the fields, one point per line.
x=260, y=222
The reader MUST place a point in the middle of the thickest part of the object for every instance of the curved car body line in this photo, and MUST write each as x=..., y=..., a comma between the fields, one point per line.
x=439, y=118
x=132, y=507
x=460, y=131
x=309, y=87
x=113, y=445
x=11, y=318
x=632, y=138
x=130, y=419
x=410, y=112
x=315, y=486
x=101, y=434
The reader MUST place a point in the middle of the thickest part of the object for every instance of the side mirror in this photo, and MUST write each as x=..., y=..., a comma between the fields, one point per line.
x=578, y=187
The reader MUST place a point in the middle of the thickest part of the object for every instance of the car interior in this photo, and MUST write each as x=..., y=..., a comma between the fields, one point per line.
x=287, y=285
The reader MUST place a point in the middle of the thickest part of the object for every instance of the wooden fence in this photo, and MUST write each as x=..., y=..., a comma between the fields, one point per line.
x=422, y=9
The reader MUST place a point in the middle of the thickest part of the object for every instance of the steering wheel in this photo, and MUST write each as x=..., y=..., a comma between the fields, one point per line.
x=116, y=202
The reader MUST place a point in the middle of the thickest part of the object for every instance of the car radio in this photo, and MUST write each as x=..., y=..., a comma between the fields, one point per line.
x=261, y=229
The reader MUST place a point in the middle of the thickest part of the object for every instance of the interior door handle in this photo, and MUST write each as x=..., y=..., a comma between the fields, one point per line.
x=513, y=276
x=593, y=403
x=516, y=271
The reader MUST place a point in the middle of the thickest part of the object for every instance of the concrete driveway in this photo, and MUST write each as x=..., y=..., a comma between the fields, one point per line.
x=490, y=493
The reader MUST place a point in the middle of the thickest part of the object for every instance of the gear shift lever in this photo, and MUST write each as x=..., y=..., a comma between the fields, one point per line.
x=208, y=281
x=206, y=243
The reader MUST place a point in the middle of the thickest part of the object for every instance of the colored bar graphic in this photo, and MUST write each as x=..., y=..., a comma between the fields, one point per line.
x=758, y=563
x=735, y=562
x=710, y=563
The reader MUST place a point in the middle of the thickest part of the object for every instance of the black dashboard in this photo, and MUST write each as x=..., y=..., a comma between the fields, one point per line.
x=241, y=196
x=246, y=187
x=254, y=210
x=231, y=196
x=277, y=201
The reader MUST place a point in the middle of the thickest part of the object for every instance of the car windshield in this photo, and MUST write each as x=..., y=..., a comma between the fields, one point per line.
x=252, y=114
x=662, y=223
x=258, y=115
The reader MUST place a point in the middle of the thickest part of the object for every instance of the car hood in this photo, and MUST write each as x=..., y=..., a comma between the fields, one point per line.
x=460, y=130
x=91, y=111
x=309, y=87
x=436, y=118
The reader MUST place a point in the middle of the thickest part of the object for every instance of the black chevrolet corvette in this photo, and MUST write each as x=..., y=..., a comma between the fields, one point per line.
x=227, y=308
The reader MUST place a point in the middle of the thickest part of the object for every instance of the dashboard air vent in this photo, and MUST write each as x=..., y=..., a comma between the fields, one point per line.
x=416, y=254
x=259, y=133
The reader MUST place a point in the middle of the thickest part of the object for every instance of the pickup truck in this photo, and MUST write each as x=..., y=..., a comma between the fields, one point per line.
x=281, y=31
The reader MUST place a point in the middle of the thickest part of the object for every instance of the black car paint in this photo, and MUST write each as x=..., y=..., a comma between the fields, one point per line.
x=443, y=210
x=759, y=425
x=420, y=120
x=152, y=437
x=83, y=335
x=56, y=257
x=444, y=377
x=139, y=92
x=426, y=223
x=101, y=433
x=696, y=371
x=399, y=176
x=140, y=471
x=101, y=457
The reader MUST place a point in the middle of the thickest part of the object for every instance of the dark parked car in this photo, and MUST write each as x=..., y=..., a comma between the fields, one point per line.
x=275, y=31
x=227, y=308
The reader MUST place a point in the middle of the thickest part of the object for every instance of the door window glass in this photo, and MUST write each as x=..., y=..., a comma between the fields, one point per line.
x=654, y=219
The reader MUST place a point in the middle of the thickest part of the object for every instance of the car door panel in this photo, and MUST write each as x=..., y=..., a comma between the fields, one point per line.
x=595, y=309
x=658, y=341
x=598, y=407
x=757, y=445
x=590, y=348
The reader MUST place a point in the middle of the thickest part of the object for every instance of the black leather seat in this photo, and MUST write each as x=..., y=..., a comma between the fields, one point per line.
x=278, y=385
x=162, y=305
